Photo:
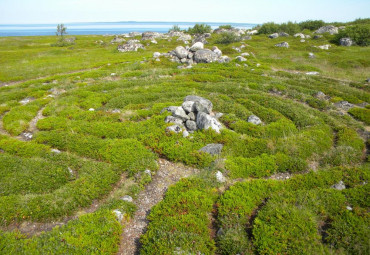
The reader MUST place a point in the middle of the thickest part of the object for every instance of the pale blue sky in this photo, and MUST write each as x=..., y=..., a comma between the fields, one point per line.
x=256, y=11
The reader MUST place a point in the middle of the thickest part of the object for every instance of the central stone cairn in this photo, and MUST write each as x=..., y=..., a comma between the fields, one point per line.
x=197, y=54
x=194, y=113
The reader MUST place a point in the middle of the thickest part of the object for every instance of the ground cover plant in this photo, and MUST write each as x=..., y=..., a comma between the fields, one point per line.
x=297, y=183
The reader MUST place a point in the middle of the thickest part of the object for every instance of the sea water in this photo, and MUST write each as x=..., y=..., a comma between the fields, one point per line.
x=103, y=28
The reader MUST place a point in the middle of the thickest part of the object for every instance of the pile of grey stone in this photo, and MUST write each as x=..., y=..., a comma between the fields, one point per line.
x=234, y=31
x=282, y=44
x=346, y=41
x=131, y=45
x=196, y=54
x=195, y=113
x=276, y=35
x=327, y=29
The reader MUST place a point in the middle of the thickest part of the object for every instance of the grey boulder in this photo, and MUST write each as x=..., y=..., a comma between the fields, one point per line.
x=346, y=42
x=207, y=105
x=197, y=46
x=181, y=52
x=180, y=113
x=174, y=120
x=191, y=125
x=213, y=149
x=205, y=121
x=205, y=56
x=274, y=35
x=327, y=29
x=188, y=106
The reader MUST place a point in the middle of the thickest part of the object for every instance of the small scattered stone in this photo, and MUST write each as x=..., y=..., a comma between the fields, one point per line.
x=55, y=151
x=220, y=177
x=185, y=133
x=311, y=55
x=312, y=73
x=241, y=59
x=156, y=55
x=324, y=47
x=91, y=109
x=27, y=135
x=349, y=208
x=127, y=198
x=282, y=44
x=119, y=215
x=339, y=186
x=254, y=120
x=220, y=231
x=174, y=128
x=174, y=120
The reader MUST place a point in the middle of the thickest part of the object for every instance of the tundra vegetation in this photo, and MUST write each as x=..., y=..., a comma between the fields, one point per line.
x=81, y=124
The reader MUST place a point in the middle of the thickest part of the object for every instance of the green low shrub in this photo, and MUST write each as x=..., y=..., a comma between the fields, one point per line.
x=180, y=222
x=227, y=38
x=199, y=29
x=358, y=33
x=362, y=114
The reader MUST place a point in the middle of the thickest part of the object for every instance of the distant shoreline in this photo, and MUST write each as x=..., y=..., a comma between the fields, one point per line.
x=104, y=28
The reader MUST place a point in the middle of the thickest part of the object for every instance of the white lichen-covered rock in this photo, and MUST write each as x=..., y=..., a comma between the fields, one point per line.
x=224, y=59
x=302, y=36
x=185, y=133
x=131, y=45
x=56, y=151
x=311, y=55
x=127, y=198
x=205, y=121
x=274, y=35
x=241, y=59
x=197, y=46
x=175, y=128
x=220, y=177
x=312, y=73
x=156, y=55
x=119, y=215
x=174, y=120
x=254, y=120
x=216, y=50
x=245, y=54
x=339, y=186
x=181, y=52
x=282, y=44
x=252, y=32
x=324, y=47
x=134, y=34
x=327, y=29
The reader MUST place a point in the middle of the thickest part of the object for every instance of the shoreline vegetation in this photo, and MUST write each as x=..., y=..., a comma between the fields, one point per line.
x=269, y=128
